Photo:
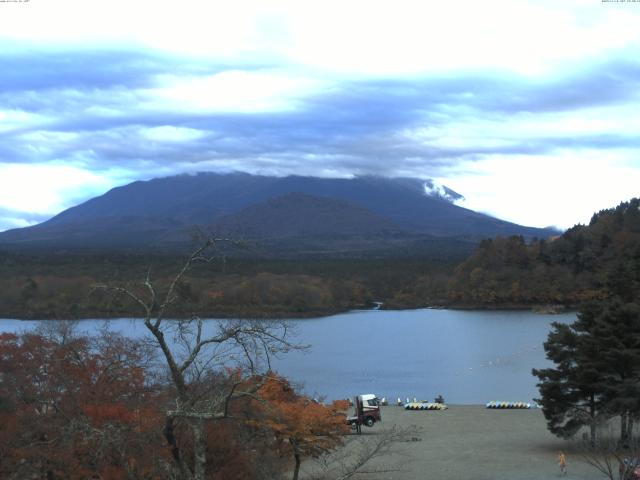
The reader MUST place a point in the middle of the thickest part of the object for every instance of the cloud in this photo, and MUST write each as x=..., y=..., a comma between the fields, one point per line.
x=29, y=69
x=167, y=133
x=232, y=91
x=559, y=190
x=41, y=189
x=383, y=38
x=394, y=106
x=255, y=115
x=19, y=218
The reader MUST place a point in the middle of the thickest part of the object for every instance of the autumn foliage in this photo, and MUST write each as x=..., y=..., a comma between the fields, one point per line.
x=74, y=408
x=302, y=427
x=77, y=408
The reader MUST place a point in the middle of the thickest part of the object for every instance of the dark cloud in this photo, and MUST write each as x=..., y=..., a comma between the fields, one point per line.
x=357, y=127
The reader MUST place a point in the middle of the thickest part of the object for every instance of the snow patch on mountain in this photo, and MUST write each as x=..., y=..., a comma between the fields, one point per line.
x=432, y=188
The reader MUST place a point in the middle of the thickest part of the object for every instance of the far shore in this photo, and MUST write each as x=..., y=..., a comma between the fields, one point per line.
x=261, y=314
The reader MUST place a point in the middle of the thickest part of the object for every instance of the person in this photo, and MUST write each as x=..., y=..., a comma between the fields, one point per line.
x=562, y=463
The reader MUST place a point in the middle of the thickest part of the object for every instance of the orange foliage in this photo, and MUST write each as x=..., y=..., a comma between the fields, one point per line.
x=83, y=408
x=300, y=423
x=102, y=413
x=74, y=409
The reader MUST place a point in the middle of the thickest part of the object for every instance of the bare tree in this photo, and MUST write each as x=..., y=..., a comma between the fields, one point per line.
x=59, y=330
x=611, y=458
x=196, y=353
x=364, y=456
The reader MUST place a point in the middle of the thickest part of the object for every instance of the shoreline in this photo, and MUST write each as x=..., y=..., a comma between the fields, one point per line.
x=541, y=309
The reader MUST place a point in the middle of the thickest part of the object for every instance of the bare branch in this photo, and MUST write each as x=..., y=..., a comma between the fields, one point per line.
x=191, y=357
x=362, y=456
x=609, y=457
x=125, y=291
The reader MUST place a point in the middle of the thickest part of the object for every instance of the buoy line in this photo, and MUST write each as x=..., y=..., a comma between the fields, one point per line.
x=508, y=405
x=502, y=361
x=425, y=406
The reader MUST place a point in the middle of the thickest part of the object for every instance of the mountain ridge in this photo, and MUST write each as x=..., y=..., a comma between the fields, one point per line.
x=163, y=212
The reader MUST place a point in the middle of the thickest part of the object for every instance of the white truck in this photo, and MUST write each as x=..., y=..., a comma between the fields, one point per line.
x=367, y=411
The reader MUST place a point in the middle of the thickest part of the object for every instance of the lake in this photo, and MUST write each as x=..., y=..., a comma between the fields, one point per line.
x=469, y=357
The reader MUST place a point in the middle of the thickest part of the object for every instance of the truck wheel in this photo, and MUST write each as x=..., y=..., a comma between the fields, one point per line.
x=354, y=426
x=369, y=421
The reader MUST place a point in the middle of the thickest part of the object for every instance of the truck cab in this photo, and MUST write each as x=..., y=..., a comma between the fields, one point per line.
x=367, y=411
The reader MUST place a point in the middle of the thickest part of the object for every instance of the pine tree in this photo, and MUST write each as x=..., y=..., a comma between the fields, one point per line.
x=597, y=360
x=571, y=393
x=611, y=329
x=618, y=328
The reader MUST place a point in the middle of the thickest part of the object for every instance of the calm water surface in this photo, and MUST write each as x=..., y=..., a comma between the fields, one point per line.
x=469, y=357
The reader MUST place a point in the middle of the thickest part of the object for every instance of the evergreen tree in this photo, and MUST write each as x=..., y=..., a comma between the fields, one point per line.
x=614, y=333
x=571, y=393
x=624, y=285
x=597, y=361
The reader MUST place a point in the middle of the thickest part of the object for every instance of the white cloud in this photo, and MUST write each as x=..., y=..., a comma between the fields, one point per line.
x=7, y=223
x=11, y=120
x=434, y=188
x=46, y=189
x=168, y=133
x=560, y=190
x=413, y=36
x=233, y=91
x=478, y=132
x=354, y=37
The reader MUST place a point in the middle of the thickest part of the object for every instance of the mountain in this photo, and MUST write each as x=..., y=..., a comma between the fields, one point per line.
x=362, y=214
x=303, y=215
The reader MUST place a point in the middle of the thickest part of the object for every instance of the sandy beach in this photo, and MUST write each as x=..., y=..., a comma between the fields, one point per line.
x=474, y=443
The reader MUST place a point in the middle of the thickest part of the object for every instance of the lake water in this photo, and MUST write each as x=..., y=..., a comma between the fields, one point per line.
x=469, y=357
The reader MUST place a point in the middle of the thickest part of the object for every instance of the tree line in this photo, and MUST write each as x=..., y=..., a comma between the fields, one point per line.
x=568, y=270
x=502, y=272
x=60, y=286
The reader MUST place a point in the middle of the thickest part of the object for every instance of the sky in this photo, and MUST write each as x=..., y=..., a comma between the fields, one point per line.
x=529, y=109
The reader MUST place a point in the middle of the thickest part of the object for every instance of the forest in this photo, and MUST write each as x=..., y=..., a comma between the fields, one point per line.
x=565, y=271
x=60, y=286
x=503, y=272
